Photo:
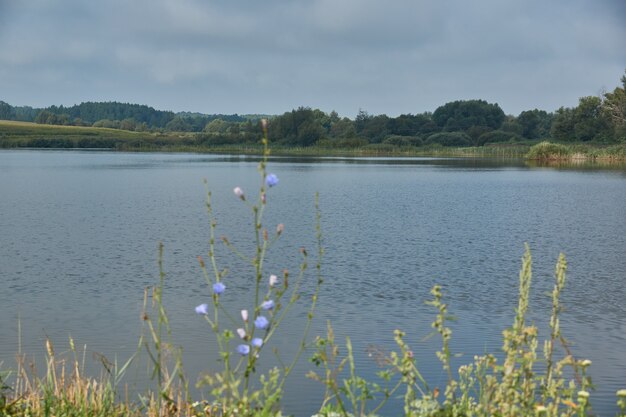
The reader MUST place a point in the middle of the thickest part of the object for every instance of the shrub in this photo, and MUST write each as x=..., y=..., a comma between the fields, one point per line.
x=402, y=141
x=498, y=136
x=450, y=139
x=547, y=151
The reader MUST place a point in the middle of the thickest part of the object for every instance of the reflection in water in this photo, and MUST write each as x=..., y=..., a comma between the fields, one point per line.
x=79, y=234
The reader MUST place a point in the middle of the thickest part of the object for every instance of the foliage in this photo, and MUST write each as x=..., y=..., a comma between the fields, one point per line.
x=463, y=114
x=301, y=127
x=548, y=150
x=238, y=389
x=614, y=109
x=484, y=387
x=498, y=136
x=403, y=141
x=535, y=124
x=600, y=120
x=450, y=139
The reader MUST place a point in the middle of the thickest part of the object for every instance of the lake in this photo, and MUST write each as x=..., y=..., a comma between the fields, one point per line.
x=79, y=235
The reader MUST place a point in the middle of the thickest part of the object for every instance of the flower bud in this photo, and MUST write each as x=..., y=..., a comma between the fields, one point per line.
x=239, y=193
x=273, y=280
x=241, y=332
x=244, y=315
x=279, y=229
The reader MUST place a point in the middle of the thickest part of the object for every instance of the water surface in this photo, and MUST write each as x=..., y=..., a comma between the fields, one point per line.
x=79, y=233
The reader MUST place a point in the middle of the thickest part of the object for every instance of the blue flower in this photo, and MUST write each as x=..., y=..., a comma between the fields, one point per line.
x=267, y=305
x=257, y=342
x=271, y=180
x=202, y=309
x=218, y=288
x=261, y=323
x=243, y=350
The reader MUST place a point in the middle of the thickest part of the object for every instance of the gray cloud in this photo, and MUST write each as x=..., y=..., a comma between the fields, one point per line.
x=393, y=56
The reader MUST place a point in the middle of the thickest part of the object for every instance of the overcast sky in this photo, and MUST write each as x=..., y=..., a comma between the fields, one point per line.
x=270, y=56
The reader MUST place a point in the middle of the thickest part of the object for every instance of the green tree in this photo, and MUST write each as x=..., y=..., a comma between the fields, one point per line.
x=511, y=125
x=216, y=126
x=462, y=114
x=6, y=111
x=535, y=123
x=590, y=123
x=373, y=128
x=342, y=129
x=412, y=125
x=128, y=124
x=563, y=125
x=300, y=127
x=449, y=139
x=179, y=124
x=46, y=117
x=614, y=109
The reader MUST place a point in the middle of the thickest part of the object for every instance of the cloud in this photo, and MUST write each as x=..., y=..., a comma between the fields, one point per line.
x=386, y=56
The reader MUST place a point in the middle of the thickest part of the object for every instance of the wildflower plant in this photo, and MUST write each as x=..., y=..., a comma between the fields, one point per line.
x=482, y=388
x=243, y=341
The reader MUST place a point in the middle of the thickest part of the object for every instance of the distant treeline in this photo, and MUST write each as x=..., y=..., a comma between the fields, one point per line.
x=600, y=120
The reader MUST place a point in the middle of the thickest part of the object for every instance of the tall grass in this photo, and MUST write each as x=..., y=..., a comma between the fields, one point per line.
x=548, y=151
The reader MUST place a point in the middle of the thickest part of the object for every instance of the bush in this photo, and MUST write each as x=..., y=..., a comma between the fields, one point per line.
x=398, y=140
x=380, y=147
x=547, y=151
x=498, y=136
x=343, y=143
x=449, y=139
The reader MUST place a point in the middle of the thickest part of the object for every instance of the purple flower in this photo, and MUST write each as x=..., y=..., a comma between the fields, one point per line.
x=268, y=305
x=257, y=342
x=243, y=350
x=218, y=288
x=261, y=323
x=202, y=309
x=271, y=180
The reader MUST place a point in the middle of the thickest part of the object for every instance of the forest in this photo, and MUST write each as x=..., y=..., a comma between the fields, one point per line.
x=596, y=120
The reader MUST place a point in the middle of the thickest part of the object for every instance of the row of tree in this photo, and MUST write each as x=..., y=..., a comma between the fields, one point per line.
x=114, y=115
x=458, y=123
